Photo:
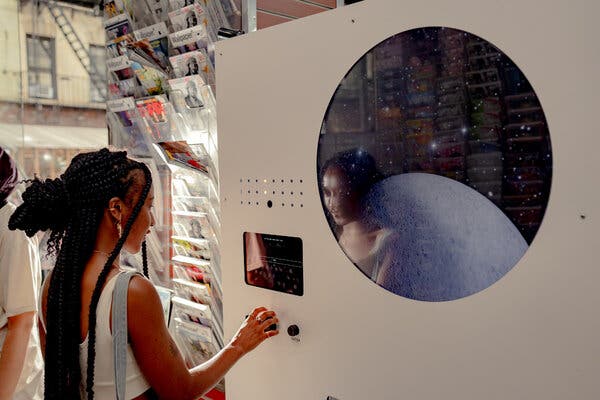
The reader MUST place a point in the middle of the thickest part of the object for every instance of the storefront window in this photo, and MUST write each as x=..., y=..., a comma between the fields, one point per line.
x=41, y=67
x=98, y=59
x=435, y=164
x=11, y=72
x=49, y=111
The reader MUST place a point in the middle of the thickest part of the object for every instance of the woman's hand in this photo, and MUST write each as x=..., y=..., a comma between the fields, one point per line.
x=156, y=352
x=252, y=332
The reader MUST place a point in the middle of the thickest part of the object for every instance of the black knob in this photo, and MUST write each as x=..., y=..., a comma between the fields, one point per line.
x=293, y=330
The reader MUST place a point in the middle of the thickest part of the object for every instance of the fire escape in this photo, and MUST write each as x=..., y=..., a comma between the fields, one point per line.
x=97, y=80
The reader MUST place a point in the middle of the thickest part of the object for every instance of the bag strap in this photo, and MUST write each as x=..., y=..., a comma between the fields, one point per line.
x=119, y=331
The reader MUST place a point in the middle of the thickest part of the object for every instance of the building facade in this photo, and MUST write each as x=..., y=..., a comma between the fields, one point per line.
x=49, y=107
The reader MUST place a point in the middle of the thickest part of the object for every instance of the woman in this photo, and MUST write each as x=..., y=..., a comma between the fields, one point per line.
x=192, y=100
x=100, y=205
x=191, y=20
x=192, y=67
x=21, y=364
x=346, y=179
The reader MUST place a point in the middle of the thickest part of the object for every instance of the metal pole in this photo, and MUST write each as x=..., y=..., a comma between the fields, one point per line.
x=248, y=15
x=339, y=3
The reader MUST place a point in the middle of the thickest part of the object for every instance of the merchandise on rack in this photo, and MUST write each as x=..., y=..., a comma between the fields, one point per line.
x=162, y=110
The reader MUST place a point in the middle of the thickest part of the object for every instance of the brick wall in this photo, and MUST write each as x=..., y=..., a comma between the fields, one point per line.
x=39, y=114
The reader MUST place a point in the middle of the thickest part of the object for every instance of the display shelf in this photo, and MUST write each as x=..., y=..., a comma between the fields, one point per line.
x=191, y=240
x=189, y=213
x=162, y=109
x=192, y=261
x=199, y=263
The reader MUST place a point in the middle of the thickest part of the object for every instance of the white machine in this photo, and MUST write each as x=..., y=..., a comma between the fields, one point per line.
x=531, y=335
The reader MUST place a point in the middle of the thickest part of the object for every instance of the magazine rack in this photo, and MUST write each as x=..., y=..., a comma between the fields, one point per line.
x=162, y=110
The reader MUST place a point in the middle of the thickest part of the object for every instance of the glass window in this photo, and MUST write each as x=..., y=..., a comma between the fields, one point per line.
x=98, y=59
x=434, y=164
x=41, y=67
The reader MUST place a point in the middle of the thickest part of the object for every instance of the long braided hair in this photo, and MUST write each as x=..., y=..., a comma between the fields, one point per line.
x=72, y=207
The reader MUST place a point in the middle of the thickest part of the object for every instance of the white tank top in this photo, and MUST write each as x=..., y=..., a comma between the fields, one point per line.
x=104, y=370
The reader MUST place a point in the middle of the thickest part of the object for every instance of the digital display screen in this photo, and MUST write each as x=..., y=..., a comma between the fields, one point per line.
x=273, y=262
x=434, y=164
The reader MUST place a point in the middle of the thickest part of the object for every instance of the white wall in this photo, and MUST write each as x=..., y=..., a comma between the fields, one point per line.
x=532, y=335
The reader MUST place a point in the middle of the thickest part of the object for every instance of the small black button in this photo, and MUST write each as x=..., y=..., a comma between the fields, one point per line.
x=293, y=330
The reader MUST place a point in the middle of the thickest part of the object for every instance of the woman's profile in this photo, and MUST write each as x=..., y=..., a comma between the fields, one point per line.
x=99, y=206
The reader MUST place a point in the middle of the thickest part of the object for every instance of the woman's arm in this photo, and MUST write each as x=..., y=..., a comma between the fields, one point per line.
x=13, y=352
x=42, y=313
x=389, y=261
x=159, y=358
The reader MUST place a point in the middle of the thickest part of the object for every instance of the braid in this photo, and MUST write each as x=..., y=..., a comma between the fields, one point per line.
x=102, y=279
x=72, y=208
x=145, y=259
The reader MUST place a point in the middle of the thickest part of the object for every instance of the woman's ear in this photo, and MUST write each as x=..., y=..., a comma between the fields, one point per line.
x=115, y=207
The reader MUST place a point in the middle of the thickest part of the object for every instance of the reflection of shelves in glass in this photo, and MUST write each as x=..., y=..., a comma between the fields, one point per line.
x=518, y=125
x=519, y=186
x=492, y=158
x=191, y=260
x=483, y=72
x=490, y=188
x=200, y=242
x=524, y=110
x=453, y=135
x=526, y=139
x=526, y=214
x=450, y=163
x=494, y=84
x=524, y=100
x=519, y=200
x=484, y=56
x=484, y=146
x=479, y=174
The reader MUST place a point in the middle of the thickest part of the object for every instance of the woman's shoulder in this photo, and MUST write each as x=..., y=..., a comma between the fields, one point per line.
x=140, y=286
x=386, y=236
x=141, y=294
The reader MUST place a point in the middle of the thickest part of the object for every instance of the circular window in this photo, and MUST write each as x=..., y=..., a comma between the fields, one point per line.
x=434, y=164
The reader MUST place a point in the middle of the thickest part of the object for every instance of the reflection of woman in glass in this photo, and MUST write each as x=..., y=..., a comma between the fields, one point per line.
x=258, y=271
x=345, y=180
